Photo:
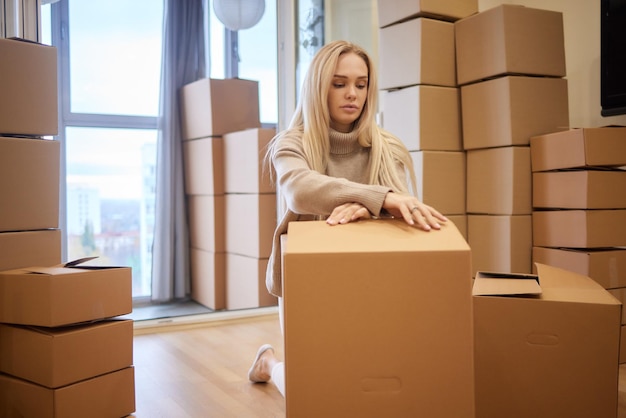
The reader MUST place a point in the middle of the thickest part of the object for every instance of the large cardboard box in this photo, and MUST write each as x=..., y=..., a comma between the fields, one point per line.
x=551, y=354
x=30, y=248
x=500, y=242
x=510, y=39
x=208, y=278
x=106, y=396
x=393, y=11
x=214, y=107
x=576, y=148
x=441, y=179
x=424, y=117
x=29, y=183
x=377, y=321
x=245, y=168
x=580, y=189
x=55, y=357
x=64, y=295
x=579, y=228
x=606, y=266
x=430, y=60
x=499, y=181
x=28, y=82
x=207, y=222
x=245, y=283
x=510, y=110
x=460, y=221
x=204, y=166
x=250, y=224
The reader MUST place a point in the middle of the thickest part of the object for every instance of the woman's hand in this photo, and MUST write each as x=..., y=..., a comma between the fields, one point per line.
x=413, y=211
x=348, y=212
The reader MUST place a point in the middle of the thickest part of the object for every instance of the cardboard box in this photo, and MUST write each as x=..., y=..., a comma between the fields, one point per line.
x=622, y=349
x=580, y=189
x=500, y=242
x=424, y=117
x=208, y=278
x=499, y=181
x=58, y=296
x=55, y=357
x=30, y=248
x=245, y=169
x=606, y=266
x=29, y=100
x=552, y=354
x=245, y=283
x=620, y=294
x=204, y=166
x=377, y=321
x=29, y=183
x=214, y=107
x=393, y=11
x=576, y=148
x=207, y=222
x=510, y=39
x=430, y=60
x=510, y=110
x=106, y=396
x=441, y=180
x=580, y=228
x=460, y=221
x=250, y=224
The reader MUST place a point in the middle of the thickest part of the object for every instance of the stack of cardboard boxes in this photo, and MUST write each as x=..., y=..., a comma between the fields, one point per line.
x=231, y=204
x=420, y=98
x=59, y=354
x=579, y=208
x=510, y=66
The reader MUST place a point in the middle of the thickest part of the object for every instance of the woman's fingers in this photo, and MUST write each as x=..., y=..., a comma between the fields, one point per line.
x=347, y=212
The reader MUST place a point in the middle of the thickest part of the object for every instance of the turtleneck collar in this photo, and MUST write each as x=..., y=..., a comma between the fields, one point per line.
x=342, y=143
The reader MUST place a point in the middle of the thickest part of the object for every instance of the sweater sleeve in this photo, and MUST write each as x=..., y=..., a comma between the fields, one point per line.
x=308, y=192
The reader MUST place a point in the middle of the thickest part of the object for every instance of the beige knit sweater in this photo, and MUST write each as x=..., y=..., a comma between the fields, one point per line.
x=309, y=195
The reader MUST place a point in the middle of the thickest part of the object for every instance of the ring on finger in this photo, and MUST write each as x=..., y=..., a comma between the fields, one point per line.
x=414, y=209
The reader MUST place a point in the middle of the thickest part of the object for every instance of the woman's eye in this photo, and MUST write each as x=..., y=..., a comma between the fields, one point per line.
x=361, y=86
x=338, y=85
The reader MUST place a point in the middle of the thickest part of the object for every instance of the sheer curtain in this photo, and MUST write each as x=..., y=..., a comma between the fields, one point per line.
x=183, y=62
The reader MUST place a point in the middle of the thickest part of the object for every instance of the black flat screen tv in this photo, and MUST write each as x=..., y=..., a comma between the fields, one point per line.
x=613, y=57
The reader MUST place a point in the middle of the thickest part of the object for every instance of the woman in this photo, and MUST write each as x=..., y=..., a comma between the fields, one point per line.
x=333, y=162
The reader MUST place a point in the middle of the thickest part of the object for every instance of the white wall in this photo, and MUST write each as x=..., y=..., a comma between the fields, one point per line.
x=581, y=21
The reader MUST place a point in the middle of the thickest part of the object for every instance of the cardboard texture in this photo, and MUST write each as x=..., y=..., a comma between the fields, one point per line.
x=607, y=266
x=510, y=39
x=429, y=61
x=30, y=248
x=460, y=221
x=354, y=292
x=576, y=148
x=622, y=349
x=106, y=396
x=214, y=107
x=548, y=355
x=57, y=296
x=204, y=166
x=245, y=170
x=499, y=181
x=620, y=294
x=34, y=203
x=425, y=118
x=29, y=100
x=208, y=278
x=55, y=357
x=579, y=228
x=510, y=110
x=245, y=283
x=207, y=222
x=581, y=189
x=393, y=11
x=500, y=242
x=441, y=180
x=250, y=224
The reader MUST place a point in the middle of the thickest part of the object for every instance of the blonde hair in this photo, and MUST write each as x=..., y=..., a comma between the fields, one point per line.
x=311, y=122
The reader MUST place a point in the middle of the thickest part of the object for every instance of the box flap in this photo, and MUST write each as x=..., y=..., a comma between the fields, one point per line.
x=503, y=284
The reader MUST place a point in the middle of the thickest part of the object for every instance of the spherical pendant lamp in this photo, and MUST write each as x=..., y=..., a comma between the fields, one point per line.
x=239, y=14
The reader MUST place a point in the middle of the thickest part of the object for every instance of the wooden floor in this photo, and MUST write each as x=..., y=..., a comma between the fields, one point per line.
x=201, y=371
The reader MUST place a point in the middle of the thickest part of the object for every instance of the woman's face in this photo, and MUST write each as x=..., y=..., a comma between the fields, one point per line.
x=348, y=91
